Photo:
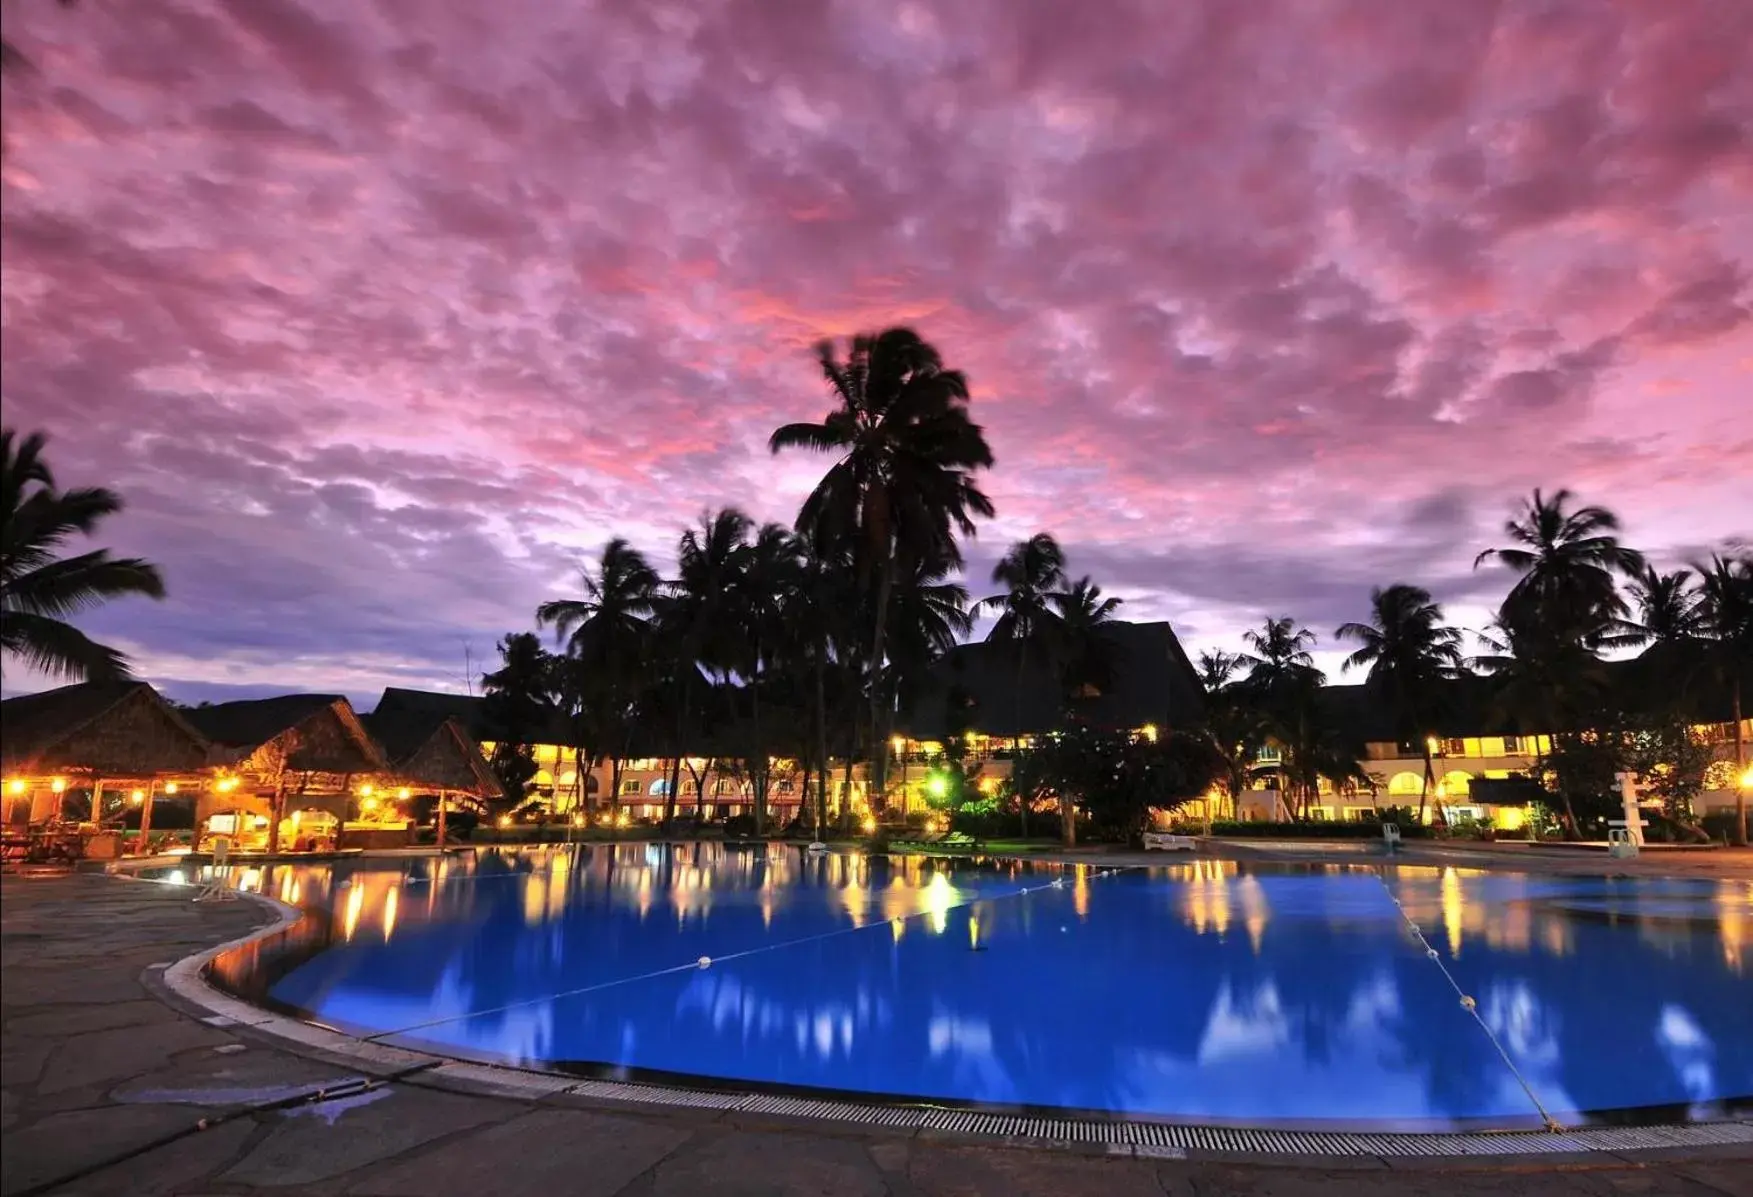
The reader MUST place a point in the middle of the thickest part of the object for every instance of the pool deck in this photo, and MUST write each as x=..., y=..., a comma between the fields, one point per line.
x=103, y=1087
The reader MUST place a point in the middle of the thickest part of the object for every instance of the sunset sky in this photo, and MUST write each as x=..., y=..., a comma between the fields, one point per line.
x=384, y=315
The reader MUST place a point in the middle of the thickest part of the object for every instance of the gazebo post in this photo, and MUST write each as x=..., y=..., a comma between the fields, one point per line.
x=441, y=800
x=146, y=818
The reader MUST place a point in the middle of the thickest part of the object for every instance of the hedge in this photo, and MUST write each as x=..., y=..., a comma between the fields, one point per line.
x=1312, y=830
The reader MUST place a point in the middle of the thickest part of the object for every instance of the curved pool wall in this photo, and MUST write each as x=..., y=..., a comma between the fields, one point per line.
x=1210, y=992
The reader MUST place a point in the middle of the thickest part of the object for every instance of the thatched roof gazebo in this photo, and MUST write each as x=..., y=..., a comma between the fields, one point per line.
x=434, y=752
x=94, y=732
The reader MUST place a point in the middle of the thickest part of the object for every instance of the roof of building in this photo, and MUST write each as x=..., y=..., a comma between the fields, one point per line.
x=252, y=721
x=65, y=726
x=472, y=711
x=1007, y=691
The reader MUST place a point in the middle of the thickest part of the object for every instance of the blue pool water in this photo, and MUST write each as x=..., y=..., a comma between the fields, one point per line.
x=1210, y=991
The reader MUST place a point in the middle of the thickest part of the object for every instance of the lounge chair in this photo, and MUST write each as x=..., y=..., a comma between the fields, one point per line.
x=1162, y=841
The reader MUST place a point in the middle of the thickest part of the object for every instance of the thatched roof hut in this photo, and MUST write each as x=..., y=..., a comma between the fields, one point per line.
x=102, y=729
x=432, y=750
x=306, y=733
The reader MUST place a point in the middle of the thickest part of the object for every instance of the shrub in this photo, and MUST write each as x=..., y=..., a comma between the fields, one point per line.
x=1313, y=830
x=739, y=827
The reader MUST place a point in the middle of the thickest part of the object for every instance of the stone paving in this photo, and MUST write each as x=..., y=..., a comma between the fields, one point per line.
x=104, y=1090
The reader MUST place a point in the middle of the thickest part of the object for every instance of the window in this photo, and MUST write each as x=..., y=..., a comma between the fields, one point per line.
x=631, y=785
x=1454, y=746
x=690, y=786
x=1512, y=745
x=784, y=787
x=724, y=786
x=1269, y=755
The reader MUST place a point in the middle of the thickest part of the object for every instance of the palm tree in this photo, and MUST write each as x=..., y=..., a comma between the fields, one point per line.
x=1231, y=721
x=1085, y=656
x=1031, y=572
x=607, y=640
x=767, y=593
x=38, y=588
x=1726, y=609
x=903, y=485
x=695, y=616
x=1281, y=682
x=1568, y=561
x=520, y=698
x=1412, y=658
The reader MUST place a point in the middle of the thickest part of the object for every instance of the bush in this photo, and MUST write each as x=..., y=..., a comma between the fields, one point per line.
x=878, y=843
x=739, y=827
x=1720, y=826
x=1314, y=830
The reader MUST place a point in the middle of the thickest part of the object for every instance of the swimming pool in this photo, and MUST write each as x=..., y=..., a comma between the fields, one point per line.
x=1207, y=992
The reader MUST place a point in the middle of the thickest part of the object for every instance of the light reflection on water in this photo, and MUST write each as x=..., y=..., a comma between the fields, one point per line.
x=1200, y=990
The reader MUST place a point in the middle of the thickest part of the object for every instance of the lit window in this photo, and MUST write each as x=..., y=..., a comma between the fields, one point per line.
x=631, y=785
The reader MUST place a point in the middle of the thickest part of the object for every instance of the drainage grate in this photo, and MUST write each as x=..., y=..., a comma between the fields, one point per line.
x=894, y=1117
x=657, y=1095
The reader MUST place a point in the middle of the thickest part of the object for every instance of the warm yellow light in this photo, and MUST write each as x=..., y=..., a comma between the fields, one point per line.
x=1149, y=731
x=623, y=819
x=505, y=820
x=16, y=785
x=365, y=790
x=1747, y=779
x=900, y=743
x=578, y=820
x=368, y=804
x=403, y=793
x=58, y=785
x=138, y=796
x=170, y=787
x=226, y=785
x=870, y=824
x=1430, y=742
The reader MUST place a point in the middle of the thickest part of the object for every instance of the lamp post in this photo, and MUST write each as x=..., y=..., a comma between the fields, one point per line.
x=900, y=745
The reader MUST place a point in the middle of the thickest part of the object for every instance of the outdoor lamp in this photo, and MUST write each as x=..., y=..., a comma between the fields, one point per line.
x=137, y=796
x=58, y=785
x=365, y=790
x=170, y=787
x=937, y=785
x=1747, y=779
x=16, y=785
x=402, y=793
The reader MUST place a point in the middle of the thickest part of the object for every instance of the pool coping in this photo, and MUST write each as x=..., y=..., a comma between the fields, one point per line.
x=184, y=985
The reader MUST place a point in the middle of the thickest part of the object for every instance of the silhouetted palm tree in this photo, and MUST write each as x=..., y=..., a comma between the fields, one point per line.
x=767, y=594
x=519, y=703
x=39, y=589
x=1412, y=658
x=1082, y=651
x=696, y=619
x=608, y=639
x=1568, y=562
x=1231, y=720
x=1282, y=682
x=903, y=486
x=1726, y=609
x=1031, y=572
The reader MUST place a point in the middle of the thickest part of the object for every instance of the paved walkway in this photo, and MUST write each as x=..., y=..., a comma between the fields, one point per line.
x=103, y=1089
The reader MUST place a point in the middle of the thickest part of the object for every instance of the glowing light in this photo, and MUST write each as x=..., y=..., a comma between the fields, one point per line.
x=623, y=819
x=1747, y=779
x=1149, y=732
x=16, y=785
x=939, y=897
x=505, y=820
x=973, y=931
x=900, y=744
x=224, y=785
x=870, y=824
x=355, y=903
x=937, y=785
x=579, y=820
x=58, y=785
x=368, y=804
x=403, y=793
x=390, y=902
x=137, y=796
x=170, y=787
x=365, y=790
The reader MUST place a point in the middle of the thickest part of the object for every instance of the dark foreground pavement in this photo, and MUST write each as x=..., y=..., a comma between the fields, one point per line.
x=103, y=1086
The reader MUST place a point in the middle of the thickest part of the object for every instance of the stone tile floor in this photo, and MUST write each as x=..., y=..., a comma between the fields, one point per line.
x=103, y=1089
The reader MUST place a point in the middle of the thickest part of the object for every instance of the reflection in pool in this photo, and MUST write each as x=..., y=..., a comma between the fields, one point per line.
x=1207, y=991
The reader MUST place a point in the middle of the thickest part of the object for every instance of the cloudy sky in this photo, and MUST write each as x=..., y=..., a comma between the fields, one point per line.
x=383, y=315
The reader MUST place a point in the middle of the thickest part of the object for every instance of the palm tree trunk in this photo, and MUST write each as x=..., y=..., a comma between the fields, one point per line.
x=821, y=749
x=878, y=760
x=1740, y=764
x=1067, y=819
x=1429, y=779
x=760, y=762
